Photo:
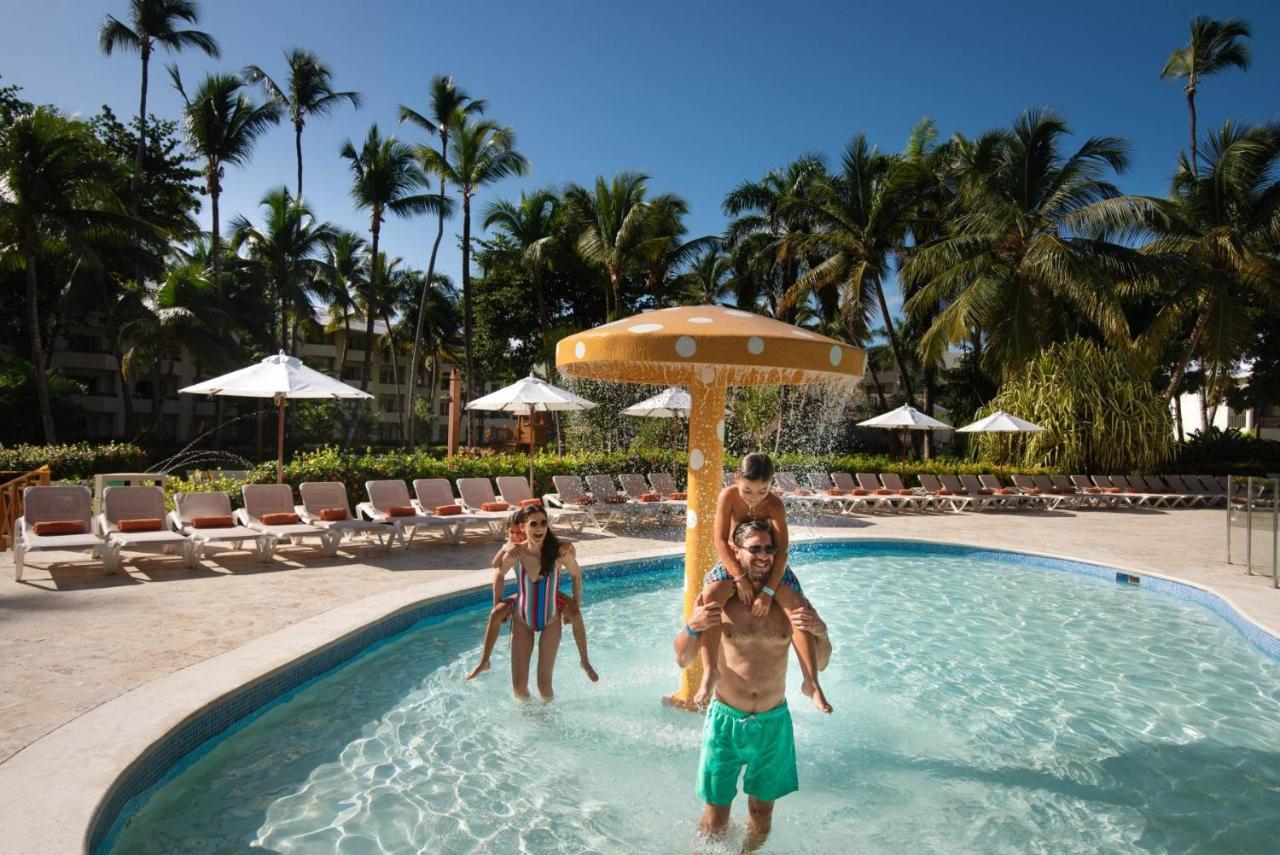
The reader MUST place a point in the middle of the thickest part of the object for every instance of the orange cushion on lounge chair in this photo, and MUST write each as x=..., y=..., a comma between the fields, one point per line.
x=906, y=491
x=447, y=510
x=285, y=518
x=985, y=491
x=526, y=503
x=57, y=528
x=1033, y=491
x=860, y=491
x=677, y=497
x=1003, y=491
x=804, y=492
x=494, y=506
x=835, y=491
x=648, y=497
x=1093, y=491
x=128, y=526
x=212, y=522
x=1112, y=490
x=584, y=500
x=402, y=511
x=883, y=491
x=333, y=514
x=615, y=500
x=944, y=492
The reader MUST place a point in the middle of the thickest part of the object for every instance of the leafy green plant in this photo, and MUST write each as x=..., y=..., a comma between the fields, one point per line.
x=76, y=461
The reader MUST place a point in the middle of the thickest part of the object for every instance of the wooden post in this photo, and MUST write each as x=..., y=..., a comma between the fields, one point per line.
x=455, y=410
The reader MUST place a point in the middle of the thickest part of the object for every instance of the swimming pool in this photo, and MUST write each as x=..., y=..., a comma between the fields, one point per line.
x=983, y=704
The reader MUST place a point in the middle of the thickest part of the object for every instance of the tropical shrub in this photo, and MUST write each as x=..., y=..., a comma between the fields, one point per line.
x=1220, y=452
x=1099, y=413
x=74, y=462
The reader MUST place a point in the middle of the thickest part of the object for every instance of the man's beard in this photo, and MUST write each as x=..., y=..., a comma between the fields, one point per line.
x=758, y=574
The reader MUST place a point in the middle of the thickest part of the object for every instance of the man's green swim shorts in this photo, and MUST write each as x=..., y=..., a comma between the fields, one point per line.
x=764, y=742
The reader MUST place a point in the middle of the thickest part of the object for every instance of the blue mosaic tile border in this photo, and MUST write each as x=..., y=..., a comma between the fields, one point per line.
x=197, y=736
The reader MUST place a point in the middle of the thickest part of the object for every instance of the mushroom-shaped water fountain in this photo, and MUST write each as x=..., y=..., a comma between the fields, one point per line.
x=706, y=349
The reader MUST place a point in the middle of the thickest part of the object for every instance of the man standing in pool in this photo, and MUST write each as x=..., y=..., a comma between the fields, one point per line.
x=748, y=723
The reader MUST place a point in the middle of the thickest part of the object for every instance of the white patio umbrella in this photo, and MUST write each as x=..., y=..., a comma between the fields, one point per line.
x=279, y=377
x=671, y=403
x=1001, y=422
x=528, y=396
x=905, y=417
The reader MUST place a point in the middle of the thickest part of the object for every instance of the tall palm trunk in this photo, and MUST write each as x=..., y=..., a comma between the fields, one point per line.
x=135, y=181
x=215, y=238
x=926, y=445
x=370, y=310
x=1193, y=341
x=297, y=144
x=411, y=438
x=284, y=318
x=395, y=372
x=37, y=348
x=468, y=318
x=615, y=282
x=1191, y=107
x=896, y=345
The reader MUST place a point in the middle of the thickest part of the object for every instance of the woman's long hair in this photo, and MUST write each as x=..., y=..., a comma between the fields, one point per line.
x=550, y=553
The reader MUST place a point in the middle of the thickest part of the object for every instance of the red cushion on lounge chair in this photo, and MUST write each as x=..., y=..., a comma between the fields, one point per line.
x=584, y=500
x=58, y=528
x=860, y=491
x=943, y=492
x=649, y=497
x=1033, y=491
x=526, y=503
x=212, y=522
x=906, y=491
x=494, y=506
x=128, y=526
x=804, y=492
x=677, y=497
x=883, y=491
x=447, y=510
x=333, y=514
x=985, y=491
x=402, y=511
x=834, y=491
x=1112, y=490
x=1093, y=491
x=1002, y=491
x=284, y=518
x=615, y=500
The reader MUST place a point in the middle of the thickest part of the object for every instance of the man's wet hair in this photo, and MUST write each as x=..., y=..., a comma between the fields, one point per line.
x=750, y=527
x=755, y=467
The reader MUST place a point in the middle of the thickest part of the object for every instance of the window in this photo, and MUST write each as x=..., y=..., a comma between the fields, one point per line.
x=352, y=371
x=84, y=343
x=386, y=375
x=387, y=403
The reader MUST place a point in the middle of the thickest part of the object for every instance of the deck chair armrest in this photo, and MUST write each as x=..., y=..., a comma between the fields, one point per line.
x=366, y=510
x=102, y=526
x=241, y=517
x=175, y=521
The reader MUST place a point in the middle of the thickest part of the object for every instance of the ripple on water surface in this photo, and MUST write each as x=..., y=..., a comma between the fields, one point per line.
x=980, y=707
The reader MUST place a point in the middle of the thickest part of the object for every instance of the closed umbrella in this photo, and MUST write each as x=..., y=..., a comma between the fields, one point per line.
x=279, y=377
x=528, y=396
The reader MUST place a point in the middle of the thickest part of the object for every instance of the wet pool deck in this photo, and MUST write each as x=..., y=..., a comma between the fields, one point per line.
x=88, y=654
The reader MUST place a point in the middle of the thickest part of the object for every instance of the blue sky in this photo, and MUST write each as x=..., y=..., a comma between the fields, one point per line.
x=698, y=95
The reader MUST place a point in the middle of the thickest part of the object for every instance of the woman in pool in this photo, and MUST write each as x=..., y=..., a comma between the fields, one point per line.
x=537, y=556
x=746, y=499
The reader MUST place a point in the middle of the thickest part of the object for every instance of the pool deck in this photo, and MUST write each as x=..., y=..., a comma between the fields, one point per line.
x=94, y=662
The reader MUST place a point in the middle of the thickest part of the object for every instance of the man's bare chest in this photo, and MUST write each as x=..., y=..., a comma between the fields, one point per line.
x=742, y=629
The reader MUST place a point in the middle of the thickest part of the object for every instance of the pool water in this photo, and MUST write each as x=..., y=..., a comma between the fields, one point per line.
x=981, y=706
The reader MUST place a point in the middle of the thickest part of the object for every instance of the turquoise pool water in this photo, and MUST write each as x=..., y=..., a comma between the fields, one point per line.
x=981, y=706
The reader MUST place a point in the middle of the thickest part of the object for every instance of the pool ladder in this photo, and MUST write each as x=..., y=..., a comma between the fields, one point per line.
x=1247, y=498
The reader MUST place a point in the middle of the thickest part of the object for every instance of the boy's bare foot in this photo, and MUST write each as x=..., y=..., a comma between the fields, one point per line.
x=702, y=697
x=591, y=672
x=819, y=699
x=482, y=667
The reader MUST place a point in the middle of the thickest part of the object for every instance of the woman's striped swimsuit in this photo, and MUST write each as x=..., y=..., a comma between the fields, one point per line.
x=536, y=598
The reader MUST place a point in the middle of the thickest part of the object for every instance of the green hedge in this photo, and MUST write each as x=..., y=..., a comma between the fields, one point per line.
x=74, y=462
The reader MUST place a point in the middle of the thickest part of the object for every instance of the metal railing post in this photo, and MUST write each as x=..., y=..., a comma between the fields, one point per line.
x=1275, y=532
x=1228, y=519
x=1248, y=525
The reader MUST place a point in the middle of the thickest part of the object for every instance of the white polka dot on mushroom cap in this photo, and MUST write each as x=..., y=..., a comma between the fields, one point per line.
x=580, y=350
x=836, y=354
x=720, y=430
x=691, y=519
x=701, y=319
x=755, y=345
x=644, y=328
x=706, y=373
x=686, y=346
x=696, y=459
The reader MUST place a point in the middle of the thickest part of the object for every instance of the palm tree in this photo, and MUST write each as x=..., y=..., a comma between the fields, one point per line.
x=55, y=188
x=1215, y=46
x=531, y=226
x=222, y=125
x=479, y=153
x=708, y=279
x=346, y=273
x=309, y=93
x=613, y=218
x=667, y=251
x=449, y=105
x=1020, y=264
x=282, y=254
x=384, y=175
x=154, y=24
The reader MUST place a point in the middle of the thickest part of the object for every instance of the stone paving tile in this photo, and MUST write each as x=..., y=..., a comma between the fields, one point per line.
x=74, y=639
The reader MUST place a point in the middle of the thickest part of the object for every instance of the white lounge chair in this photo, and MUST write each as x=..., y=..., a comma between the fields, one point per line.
x=1067, y=495
x=822, y=485
x=944, y=495
x=133, y=518
x=856, y=498
x=918, y=499
x=1192, y=487
x=1020, y=497
x=634, y=486
x=604, y=489
x=572, y=493
x=1156, y=484
x=477, y=495
x=270, y=508
x=432, y=493
x=206, y=518
x=796, y=496
x=43, y=505
x=325, y=505
x=878, y=496
x=515, y=491
x=389, y=502
x=1139, y=496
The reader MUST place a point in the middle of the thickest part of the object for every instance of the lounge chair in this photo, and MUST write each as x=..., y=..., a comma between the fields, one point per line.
x=635, y=487
x=478, y=499
x=325, y=505
x=1191, y=485
x=1180, y=498
x=1024, y=499
x=979, y=501
x=879, y=496
x=833, y=497
x=515, y=491
x=906, y=496
x=943, y=495
x=571, y=493
x=664, y=484
x=55, y=519
x=603, y=488
x=1064, y=495
x=270, y=508
x=206, y=517
x=857, y=499
x=431, y=495
x=133, y=518
x=796, y=496
x=974, y=485
x=1140, y=496
x=389, y=502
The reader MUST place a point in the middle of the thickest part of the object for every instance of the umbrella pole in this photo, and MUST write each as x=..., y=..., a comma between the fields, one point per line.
x=280, y=442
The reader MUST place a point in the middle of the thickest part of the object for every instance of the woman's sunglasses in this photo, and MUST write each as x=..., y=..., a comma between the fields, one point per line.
x=762, y=550
x=536, y=524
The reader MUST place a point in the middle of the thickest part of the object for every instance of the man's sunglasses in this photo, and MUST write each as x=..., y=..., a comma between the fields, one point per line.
x=762, y=550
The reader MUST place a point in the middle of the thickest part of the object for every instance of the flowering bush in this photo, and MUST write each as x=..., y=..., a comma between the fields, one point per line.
x=76, y=461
